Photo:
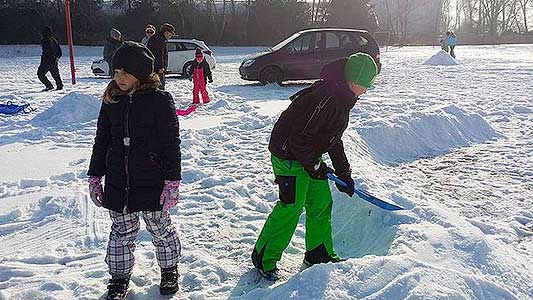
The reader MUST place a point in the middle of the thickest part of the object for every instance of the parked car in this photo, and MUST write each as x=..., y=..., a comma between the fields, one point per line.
x=180, y=57
x=303, y=55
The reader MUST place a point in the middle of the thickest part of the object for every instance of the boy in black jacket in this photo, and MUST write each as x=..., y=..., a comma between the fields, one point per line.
x=49, y=60
x=312, y=125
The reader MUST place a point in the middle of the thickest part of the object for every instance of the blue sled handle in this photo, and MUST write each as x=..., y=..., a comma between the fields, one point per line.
x=366, y=196
x=336, y=179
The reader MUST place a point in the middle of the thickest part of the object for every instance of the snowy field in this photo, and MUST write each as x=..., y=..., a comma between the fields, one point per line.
x=450, y=143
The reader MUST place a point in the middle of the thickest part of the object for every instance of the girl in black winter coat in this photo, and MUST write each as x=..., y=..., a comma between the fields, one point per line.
x=137, y=150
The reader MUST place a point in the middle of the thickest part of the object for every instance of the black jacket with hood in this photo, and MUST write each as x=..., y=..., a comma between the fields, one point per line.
x=314, y=122
x=135, y=174
x=51, y=49
x=110, y=47
x=158, y=45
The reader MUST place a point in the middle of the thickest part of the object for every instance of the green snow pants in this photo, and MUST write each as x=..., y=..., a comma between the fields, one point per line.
x=296, y=191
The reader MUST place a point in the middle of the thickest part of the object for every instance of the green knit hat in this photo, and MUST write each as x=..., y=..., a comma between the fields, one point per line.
x=361, y=69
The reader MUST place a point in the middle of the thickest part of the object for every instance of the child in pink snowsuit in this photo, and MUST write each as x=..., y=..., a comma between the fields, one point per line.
x=200, y=73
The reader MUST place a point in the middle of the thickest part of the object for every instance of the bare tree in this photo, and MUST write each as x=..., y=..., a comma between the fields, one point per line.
x=524, y=4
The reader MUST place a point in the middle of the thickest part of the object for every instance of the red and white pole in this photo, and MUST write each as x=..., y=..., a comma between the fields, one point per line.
x=70, y=43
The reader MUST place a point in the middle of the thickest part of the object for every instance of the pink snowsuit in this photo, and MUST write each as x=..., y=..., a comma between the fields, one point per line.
x=199, y=86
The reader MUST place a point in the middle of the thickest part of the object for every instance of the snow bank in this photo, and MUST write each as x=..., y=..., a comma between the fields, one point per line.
x=424, y=134
x=71, y=109
x=442, y=58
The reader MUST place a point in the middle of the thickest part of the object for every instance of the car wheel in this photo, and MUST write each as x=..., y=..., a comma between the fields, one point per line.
x=186, y=69
x=271, y=75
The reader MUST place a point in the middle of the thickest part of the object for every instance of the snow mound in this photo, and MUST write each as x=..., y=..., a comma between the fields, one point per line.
x=71, y=109
x=424, y=134
x=442, y=58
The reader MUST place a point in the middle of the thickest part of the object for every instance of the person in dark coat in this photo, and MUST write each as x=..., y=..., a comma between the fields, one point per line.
x=112, y=43
x=200, y=74
x=137, y=150
x=312, y=125
x=158, y=45
x=49, y=60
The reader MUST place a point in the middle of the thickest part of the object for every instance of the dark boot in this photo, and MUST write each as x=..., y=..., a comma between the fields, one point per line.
x=117, y=288
x=169, y=281
x=319, y=255
x=272, y=275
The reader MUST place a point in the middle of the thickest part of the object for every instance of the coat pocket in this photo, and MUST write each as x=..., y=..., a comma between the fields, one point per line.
x=287, y=188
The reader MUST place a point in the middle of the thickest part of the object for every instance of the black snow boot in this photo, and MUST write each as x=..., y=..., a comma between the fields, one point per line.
x=169, y=281
x=117, y=288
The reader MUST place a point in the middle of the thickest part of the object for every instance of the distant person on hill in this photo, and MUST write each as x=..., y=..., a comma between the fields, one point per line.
x=149, y=32
x=49, y=60
x=444, y=44
x=158, y=45
x=200, y=73
x=112, y=43
x=452, y=42
x=312, y=125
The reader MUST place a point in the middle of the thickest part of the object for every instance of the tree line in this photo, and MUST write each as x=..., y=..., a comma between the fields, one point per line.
x=264, y=22
x=218, y=22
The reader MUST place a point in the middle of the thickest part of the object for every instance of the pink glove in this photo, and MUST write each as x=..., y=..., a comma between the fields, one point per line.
x=170, y=195
x=95, y=190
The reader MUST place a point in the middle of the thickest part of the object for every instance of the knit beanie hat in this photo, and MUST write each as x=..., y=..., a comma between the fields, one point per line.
x=361, y=69
x=167, y=27
x=135, y=59
x=198, y=53
x=150, y=28
x=114, y=33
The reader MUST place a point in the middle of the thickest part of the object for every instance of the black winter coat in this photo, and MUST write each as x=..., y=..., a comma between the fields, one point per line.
x=158, y=45
x=135, y=168
x=111, y=46
x=51, y=49
x=314, y=122
x=207, y=70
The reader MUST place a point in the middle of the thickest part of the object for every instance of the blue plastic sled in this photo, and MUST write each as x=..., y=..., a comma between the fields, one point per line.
x=367, y=197
x=11, y=109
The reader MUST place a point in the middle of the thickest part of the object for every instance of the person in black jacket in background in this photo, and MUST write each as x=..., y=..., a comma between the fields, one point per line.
x=312, y=125
x=137, y=149
x=158, y=45
x=112, y=43
x=49, y=60
x=200, y=73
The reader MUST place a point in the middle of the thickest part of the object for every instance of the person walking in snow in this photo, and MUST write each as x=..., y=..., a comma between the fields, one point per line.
x=312, y=125
x=149, y=32
x=137, y=151
x=49, y=60
x=452, y=42
x=158, y=45
x=112, y=43
x=200, y=74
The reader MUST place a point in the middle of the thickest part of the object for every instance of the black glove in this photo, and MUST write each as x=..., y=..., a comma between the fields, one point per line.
x=350, y=188
x=210, y=80
x=319, y=171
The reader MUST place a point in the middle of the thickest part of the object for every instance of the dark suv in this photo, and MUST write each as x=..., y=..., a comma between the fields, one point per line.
x=305, y=53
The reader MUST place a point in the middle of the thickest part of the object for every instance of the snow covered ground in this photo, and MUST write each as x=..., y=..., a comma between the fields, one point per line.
x=452, y=144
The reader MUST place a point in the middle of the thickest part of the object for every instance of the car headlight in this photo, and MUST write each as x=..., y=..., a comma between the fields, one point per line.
x=248, y=63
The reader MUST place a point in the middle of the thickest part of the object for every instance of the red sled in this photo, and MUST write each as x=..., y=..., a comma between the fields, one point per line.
x=187, y=111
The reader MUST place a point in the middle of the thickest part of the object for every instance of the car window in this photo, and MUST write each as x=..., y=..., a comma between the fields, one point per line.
x=173, y=46
x=190, y=46
x=361, y=40
x=346, y=41
x=306, y=42
x=332, y=41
